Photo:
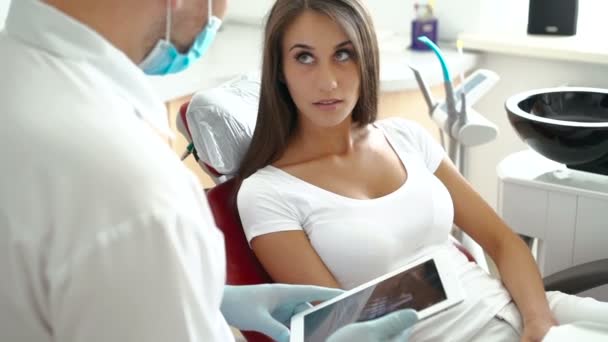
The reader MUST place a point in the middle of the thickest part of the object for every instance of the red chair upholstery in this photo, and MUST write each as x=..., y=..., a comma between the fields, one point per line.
x=243, y=267
x=464, y=251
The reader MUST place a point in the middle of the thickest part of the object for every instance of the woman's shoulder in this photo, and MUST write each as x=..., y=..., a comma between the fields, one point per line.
x=267, y=188
x=261, y=178
x=255, y=188
x=268, y=180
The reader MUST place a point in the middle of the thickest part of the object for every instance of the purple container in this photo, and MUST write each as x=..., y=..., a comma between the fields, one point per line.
x=427, y=28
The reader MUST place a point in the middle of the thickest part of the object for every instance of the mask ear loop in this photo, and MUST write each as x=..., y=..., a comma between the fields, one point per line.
x=209, y=10
x=168, y=22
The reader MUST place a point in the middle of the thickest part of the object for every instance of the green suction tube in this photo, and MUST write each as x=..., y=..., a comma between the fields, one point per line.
x=435, y=48
x=447, y=82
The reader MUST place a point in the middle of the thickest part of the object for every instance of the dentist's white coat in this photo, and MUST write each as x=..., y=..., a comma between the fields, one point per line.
x=104, y=234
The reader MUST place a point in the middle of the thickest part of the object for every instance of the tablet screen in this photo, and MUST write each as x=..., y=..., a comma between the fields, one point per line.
x=417, y=288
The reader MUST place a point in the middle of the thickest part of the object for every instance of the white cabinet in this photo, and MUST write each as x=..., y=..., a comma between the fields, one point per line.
x=591, y=237
x=559, y=239
x=566, y=210
x=520, y=207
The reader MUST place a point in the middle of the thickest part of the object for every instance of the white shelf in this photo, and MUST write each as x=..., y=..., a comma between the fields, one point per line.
x=528, y=168
x=238, y=49
x=566, y=48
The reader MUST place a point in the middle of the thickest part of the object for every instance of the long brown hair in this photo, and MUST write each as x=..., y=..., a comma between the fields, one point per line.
x=277, y=113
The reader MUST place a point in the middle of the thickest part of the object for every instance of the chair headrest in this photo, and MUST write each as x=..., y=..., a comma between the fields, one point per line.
x=221, y=121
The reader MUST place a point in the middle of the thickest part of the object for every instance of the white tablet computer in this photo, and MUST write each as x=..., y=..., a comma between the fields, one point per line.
x=425, y=285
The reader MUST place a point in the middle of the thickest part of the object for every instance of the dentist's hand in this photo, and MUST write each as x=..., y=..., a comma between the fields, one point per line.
x=267, y=308
x=396, y=324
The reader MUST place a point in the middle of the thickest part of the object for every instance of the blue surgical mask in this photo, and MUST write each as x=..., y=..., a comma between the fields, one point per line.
x=165, y=59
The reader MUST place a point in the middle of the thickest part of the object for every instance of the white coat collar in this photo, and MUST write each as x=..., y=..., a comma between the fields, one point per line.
x=49, y=29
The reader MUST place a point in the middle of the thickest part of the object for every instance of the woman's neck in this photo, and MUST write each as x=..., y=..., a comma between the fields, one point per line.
x=312, y=142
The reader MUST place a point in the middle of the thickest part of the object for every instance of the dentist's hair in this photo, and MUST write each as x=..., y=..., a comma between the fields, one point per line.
x=277, y=113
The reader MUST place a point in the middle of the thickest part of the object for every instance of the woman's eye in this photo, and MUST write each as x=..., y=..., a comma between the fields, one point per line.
x=343, y=55
x=305, y=58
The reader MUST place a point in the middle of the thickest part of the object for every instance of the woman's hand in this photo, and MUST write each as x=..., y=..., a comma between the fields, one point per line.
x=535, y=330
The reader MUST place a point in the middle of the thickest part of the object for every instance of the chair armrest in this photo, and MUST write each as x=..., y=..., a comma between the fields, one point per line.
x=579, y=278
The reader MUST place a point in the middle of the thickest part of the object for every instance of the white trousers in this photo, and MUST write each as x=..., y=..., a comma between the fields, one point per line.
x=507, y=325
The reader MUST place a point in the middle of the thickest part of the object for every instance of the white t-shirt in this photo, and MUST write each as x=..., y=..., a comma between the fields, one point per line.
x=104, y=234
x=359, y=240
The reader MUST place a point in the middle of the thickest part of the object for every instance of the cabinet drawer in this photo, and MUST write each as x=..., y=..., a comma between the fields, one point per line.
x=591, y=237
x=524, y=209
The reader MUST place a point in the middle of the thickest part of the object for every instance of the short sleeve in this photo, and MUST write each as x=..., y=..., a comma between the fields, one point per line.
x=430, y=150
x=263, y=210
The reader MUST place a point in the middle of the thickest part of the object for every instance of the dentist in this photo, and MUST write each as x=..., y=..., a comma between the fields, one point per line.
x=104, y=234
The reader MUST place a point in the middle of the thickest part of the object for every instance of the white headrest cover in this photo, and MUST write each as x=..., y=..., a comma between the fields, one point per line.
x=221, y=121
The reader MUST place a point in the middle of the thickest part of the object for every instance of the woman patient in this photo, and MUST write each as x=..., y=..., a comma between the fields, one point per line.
x=332, y=197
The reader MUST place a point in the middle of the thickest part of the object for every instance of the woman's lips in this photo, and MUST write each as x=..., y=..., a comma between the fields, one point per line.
x=328, y=105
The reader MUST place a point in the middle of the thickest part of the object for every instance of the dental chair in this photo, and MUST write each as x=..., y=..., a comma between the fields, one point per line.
x=218, y=125
x=243, y=268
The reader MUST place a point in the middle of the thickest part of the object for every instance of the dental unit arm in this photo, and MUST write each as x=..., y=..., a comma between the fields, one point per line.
x=464, y=127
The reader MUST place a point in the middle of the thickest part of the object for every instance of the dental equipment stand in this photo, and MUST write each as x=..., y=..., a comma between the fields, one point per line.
x=464, y=127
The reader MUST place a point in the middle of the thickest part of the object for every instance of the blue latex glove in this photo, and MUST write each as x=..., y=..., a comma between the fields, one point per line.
x=268, y=308
x=392, y=326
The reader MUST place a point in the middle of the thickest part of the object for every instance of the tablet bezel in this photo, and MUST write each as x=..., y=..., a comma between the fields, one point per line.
x=451, y=285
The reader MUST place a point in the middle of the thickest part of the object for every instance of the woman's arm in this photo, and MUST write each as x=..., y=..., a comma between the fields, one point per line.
x=515, y=263
x=289, y=258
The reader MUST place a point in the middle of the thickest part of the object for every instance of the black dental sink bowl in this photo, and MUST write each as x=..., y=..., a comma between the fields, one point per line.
x=567, y=124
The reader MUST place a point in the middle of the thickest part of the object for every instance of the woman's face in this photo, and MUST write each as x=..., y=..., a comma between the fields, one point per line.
x=320, y=69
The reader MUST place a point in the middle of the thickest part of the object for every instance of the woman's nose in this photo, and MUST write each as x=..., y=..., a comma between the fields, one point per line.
x=327, y=79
